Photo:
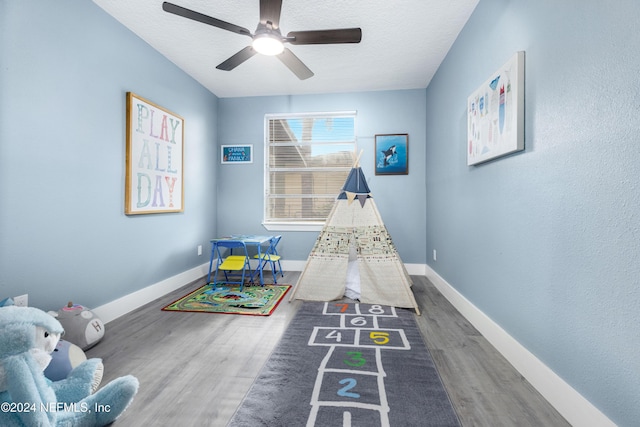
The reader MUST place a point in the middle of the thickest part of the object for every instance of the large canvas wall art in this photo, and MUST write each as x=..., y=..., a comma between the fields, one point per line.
x=154, y=160
x=495, y=114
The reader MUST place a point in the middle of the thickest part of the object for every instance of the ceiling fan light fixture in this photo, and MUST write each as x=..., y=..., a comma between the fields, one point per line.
x=267, y=44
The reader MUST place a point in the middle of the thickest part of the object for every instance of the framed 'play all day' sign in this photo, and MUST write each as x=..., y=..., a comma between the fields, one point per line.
x=154, y=161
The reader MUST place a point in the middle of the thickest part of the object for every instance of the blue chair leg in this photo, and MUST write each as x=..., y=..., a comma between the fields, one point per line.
x=211, y=266
x=275, y=277
x=215, y=278
x=280, y=268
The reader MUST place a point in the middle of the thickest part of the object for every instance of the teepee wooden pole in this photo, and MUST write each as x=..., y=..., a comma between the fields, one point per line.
x=358, y=158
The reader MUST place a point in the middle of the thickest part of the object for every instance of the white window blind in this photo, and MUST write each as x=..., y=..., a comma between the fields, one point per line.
x=307, y=159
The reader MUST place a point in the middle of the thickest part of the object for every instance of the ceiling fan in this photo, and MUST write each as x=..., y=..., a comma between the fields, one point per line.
x=267, y=39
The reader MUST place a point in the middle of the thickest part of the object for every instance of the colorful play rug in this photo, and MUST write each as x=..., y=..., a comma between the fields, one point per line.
x=348, y=365
x=253, y=300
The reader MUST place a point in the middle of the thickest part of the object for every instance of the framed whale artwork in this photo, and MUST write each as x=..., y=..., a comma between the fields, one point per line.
x=392, y=154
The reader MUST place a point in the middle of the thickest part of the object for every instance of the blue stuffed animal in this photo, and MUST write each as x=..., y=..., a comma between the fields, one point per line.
x=29, y=399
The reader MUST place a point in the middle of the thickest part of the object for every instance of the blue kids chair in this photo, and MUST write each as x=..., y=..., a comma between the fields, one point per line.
x=271, y=256
x=233, y=265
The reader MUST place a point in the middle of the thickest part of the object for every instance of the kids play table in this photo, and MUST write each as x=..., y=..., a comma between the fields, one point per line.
x=260, y=242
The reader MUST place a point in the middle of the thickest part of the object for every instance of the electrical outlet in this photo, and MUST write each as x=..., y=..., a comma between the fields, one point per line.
x=22, y=300
x=199, y=250
x=435, y=258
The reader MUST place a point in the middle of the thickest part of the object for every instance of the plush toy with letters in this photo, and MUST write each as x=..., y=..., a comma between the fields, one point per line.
x=81, y=326
x=29, y=399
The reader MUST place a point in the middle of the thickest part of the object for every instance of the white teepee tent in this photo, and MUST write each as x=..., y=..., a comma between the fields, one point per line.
x=355, y=226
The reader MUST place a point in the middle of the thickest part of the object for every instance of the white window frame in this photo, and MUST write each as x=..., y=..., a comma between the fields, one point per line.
x=272, y=225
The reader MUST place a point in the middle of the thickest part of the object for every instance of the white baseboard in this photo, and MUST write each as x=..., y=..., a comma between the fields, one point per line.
x=416, y=269
x=577, y=410
x=121, y=306
x=293, y=265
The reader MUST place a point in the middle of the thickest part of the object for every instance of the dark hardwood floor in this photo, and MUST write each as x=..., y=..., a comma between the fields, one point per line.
x=195, y=368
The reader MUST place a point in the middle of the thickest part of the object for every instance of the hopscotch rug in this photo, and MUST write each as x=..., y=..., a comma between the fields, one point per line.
x=341, y=364
x=252, y=300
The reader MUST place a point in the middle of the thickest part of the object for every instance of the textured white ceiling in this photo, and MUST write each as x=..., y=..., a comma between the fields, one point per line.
x=403, y=42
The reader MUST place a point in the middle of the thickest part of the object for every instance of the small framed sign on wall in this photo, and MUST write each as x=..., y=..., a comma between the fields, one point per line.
x=154, y=160
x=235, y=154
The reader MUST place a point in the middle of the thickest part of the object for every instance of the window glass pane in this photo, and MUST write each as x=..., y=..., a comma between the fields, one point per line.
x=296, y=209
x=307, y=183
x=307, y=156
x=307, y=161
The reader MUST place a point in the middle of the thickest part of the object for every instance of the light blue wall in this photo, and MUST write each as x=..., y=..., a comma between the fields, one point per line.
x=400, y=198
x=65, y=69
x=547, y=242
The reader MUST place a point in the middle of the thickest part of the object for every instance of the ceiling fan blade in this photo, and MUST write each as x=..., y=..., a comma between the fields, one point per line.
x=237, y=59
x=270, y=12
x=295, y=65
x=197, y=16
x=344, y=35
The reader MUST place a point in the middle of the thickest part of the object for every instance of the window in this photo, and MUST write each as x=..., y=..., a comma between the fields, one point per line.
x=307, y=159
